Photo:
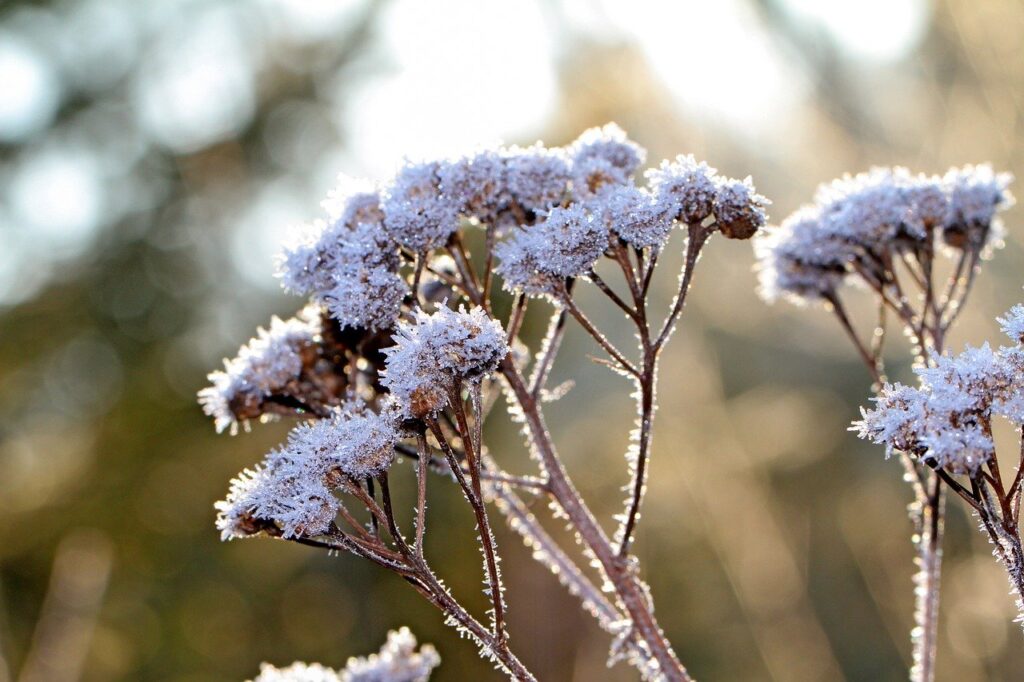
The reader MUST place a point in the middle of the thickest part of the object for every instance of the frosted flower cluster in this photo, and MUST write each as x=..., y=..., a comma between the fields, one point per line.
x=292, y=488
x=352, y=262
x=856, y=220
x=603, y=157
x=398, y=661
x=567, y=241
x=946, y=420
x=438, y=351
x=263, y=367
x=349, y=263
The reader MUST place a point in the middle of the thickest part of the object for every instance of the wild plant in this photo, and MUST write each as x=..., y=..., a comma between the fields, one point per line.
x=418, y=291
x=914, y=244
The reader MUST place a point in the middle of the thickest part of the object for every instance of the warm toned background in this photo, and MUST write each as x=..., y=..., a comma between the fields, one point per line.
x=152, y=155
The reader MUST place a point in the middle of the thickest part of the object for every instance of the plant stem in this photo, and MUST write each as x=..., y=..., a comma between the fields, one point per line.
x=627, y=586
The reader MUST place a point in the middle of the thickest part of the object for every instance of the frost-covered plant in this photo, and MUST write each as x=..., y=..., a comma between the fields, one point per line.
x=398, y=661
x=399, y=354
x=914, y=243
x=945, y=422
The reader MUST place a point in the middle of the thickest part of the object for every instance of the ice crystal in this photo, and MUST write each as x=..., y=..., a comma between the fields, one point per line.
x=946, y=420
x=398, y=661
x=686, y=184
x=349, y=264
x=292, y=487
x=602, y=157
x=537, y=177
x=634, y=214
x=858, y=220
x=566, y=244
x=438, y=351
x=738, y=208
x=263, y=366
x=417, y=214
x=475, y=184
x=1012, y=323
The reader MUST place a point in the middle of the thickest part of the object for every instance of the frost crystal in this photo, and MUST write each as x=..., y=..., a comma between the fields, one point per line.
x=634, y=214
x=686, y=184
x=417, y=214
x=602, y=157
x=566, y=244
x=263, y=367
x=349, y=264
x=437, y=352
x=292, y=487
x=1012, y=323
x=537, y=177
x=398, y=661
x=946, y=420
x=861, y=219
x=739, y=209
x=297, y=672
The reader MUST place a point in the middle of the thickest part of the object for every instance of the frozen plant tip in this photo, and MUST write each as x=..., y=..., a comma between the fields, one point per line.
x=434, y=356
x=946, y=422
x=396, y=363
x=398, y=661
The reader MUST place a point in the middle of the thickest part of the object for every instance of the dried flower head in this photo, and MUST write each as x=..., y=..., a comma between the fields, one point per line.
x=947, y=419
x=976, y=194
x=350, y=264
x=476, y=184
x=739, y=209
x=858, y=222
x=398, y=661
x=686, y=184
x=439, y=351
x=566, y=244
x=417, y=214
x=263, y=367
x=603, y=157
x=796, y=261
x=634, y=214
x=537, y=177
x=292, y=488
x=297, y=672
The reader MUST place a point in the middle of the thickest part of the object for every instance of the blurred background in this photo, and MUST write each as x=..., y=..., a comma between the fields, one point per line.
x=152, y=156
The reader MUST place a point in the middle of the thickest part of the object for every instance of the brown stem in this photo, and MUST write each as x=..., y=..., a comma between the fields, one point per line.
x=627, y=586
x=421, y=491
x=552, y=342
x=474, y=495
x=595, y=333
x=695, y=242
